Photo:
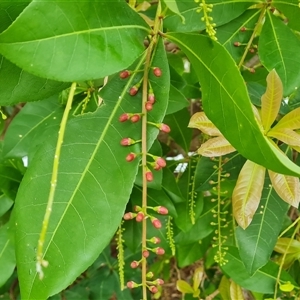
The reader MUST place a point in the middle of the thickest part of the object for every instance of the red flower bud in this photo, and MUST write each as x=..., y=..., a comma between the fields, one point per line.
x=140, y=217
x=127, y=142
x=157, y=71
x=131, y=284
x=161, y=210
x=156, y=223
x=128, y=216
x=130, y=157
x=134, y=264
x=135, y=118
x=149, y=176
x=159, y=281
x=148, y=106
x=164, y=128
x=236, y=44
x=156, y=167
x=124, y=74
x=161, y=162
x=146, y=253
x=151, y=98
x=124, y=117
x=159, y=251
x=153, y=289
x=133, y=91
x=243, y=29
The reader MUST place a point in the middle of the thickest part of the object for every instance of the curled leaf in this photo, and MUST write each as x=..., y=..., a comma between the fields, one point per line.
x=247, y=193
x=287, y=187
x=271, y=100
x=216, y=147
x=290, y=120
x=200, y=121
x=286, y=135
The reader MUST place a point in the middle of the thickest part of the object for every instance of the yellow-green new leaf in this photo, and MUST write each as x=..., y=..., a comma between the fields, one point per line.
x=257, y=117
x=215, y=147
x=200, y=121
x=283, y=243
x=287, y=187
x=247, y=193
x=224, y=288
x=236, y=291
x=286, y=135
x=271, y=100
x=198, y=277
x=183, y=287
x=290, y=120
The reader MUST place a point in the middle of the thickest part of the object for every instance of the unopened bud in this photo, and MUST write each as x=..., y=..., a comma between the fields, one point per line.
x=149, y=176
x=130, y=157
x=124, y=117
x=145, y=253
x=148, y=106
x=153, y=289
x=124, y=74
x=161, y=162
x=137, y=208
x=131, y=284
x=161, y=210
x=133, y=91
x=159, y=281
x=140, y=217
x=164, y=128
x=151, y=98
x=127, y=142
x=150, y=275
x=155, y=240
x=156, y=223
x=236, y=44
x=157, y=71
x=128, y=216
x=159, y=251
x=134, y=264
x=135, y=118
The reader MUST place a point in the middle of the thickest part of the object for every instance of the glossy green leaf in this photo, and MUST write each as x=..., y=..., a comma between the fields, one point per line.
x=223, y=11
x=177, y=101
x=172, y=5
x=29, y=128
x=18, y=85
x=277, y=44
x=5, y=204
x=290, y=8
x=263, y=281
x=7, y=255
x=271, y=100
x=72, y=41
x=93, y=187
x=227, y=105
x=257, y=241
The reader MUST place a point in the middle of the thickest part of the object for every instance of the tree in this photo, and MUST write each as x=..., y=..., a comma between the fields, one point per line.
x=142, y=149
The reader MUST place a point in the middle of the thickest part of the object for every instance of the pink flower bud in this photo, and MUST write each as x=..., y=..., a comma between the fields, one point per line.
x=162, y=210
x=134, y=264
x=151, y=98
x=159, y=251
x=146, y=253
x=137, y=208
x=131, y=284
x=236, y=44
x=135, y=118
x=153, y=289
x=133, y=91
x=149, y=176
x=156, y=223
x=124, y=117
x=130, y=157
x=128, y=216
x=124, y=74
x=161, y=162
x=127, y=142
x=148, y=106
x=157, y=71
x=159, y=281
x=140, y=217
x=164, y=128
x=155, y=240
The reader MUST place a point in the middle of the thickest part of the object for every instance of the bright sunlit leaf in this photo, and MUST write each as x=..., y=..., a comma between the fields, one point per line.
x=216, y=147
x=283, y=243
x=183, y=287
x=287, y=287
x=198, y=277
x=286, y=135
x=290, y=120
x=200, y=121
x=287, y=187
x=236, y=291
x=247, y=192
x=271, y=100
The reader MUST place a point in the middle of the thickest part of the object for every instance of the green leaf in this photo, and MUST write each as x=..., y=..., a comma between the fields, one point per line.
x=257, y=241
x=290, y=8
x=183, y=287
x=93, y=187
x=31, y=126
x=7, y=255
x=177, y=101
x=227, y=105
x=263, y=281
x=88, y=43
x=223, y=11
x=172, y=6
x=5, y=204
x=277, y=44
x=20, y=85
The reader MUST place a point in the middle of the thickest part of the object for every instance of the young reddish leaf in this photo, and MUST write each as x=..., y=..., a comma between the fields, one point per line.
x=287, y=187
x=286, y=135
x=236, y=291
x=183, y=287
x=271, y=100
x=200, y=121
x=290, y=120
x=283, y=243
x=247, y=192
x=216, y=147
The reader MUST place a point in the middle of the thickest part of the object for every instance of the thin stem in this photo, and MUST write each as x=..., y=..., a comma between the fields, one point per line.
x=40, y=261
x=261, y=16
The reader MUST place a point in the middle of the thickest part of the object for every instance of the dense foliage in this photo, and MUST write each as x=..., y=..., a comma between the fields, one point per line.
x=149, y=149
